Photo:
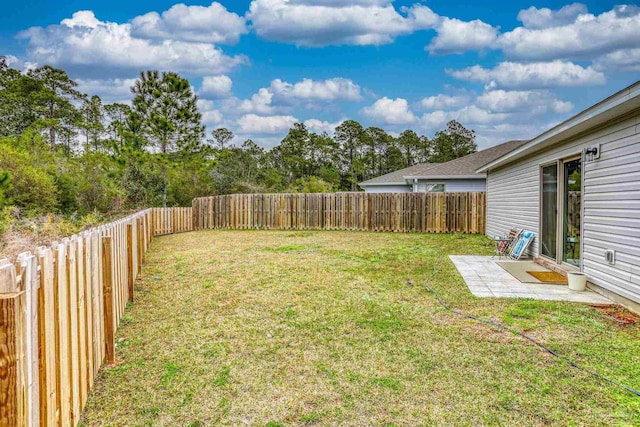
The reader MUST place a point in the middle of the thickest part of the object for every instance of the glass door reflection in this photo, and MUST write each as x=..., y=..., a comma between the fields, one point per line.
x=549, y=210
x=572, y=212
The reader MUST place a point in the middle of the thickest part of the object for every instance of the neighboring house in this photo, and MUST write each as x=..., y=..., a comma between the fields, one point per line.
x=456, y=175
x=577, y=187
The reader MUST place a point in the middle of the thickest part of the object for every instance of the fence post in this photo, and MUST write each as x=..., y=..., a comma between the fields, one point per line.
x=107, y=286
x=14, y=410
x=130, y=273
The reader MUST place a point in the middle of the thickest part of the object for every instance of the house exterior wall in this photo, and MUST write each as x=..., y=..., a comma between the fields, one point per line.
x=455, y=185
x=611, y=202
x=387, y=189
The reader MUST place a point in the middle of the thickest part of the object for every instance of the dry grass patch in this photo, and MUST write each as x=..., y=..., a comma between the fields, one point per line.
x=322, y=328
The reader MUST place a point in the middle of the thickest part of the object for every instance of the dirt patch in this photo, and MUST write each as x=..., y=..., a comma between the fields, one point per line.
x=618, y=314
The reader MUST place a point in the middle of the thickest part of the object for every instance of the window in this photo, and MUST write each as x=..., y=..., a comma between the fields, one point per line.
x=435, y=188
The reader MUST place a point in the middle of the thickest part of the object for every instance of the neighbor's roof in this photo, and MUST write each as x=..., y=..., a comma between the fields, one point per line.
x=395, y=177
x=617, y=105
x=460, y=168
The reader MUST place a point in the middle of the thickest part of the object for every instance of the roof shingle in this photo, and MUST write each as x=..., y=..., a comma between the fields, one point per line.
x=459, y=168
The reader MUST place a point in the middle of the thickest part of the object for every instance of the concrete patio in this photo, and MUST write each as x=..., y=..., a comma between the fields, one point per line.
x=485, y=278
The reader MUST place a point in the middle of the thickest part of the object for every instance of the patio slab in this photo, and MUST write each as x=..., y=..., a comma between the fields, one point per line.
x=485, y=278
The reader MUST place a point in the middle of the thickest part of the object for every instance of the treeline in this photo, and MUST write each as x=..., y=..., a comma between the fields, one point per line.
x=65, y=151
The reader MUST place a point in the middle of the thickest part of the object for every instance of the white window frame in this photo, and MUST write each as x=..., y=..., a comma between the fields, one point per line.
x=429, y=187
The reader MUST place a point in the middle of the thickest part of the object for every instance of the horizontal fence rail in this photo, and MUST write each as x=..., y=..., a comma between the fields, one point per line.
x=398, y=212
x=60, y=306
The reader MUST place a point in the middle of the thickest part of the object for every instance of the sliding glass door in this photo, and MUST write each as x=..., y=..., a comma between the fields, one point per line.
x=561, y=211
x=549, y=210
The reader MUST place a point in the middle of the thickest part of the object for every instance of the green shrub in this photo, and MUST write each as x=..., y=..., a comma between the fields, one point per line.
x=32, y=187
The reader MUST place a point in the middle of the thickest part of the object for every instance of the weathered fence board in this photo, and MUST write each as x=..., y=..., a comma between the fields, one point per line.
x=395, y=212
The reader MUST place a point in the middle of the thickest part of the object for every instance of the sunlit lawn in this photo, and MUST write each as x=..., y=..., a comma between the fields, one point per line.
x=286, y=328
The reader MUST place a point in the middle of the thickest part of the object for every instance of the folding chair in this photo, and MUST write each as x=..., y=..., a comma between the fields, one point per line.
x=521, y=244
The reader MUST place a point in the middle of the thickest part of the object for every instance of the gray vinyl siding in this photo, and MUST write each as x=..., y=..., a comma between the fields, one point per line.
x=455, y=185
x=611, y=202
x=388, y=189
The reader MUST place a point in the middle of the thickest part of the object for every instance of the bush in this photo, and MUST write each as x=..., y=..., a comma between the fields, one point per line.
x=32, y=187
x=311, y=184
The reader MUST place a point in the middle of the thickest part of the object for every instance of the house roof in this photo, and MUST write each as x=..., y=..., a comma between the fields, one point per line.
x=460, y=168
x=395, y=177
x=617, y=105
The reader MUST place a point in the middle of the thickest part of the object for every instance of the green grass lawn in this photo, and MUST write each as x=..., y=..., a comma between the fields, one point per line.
x=278, y=328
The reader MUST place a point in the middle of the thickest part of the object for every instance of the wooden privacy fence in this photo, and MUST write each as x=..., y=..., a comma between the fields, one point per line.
x=59, y=308
x=400, y=212
x=172, y=220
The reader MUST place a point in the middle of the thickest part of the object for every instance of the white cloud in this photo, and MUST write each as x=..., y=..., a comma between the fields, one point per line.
x=435, y=119
x=216, y=86
x=495, y=133
x=373, y=22
x=83, y=40
x=475, y=114
x=18, y=64
x=254, y=124
x=586, y=37
x=332, y=22
x=456, y=36
x=110, y=90
x=210, y=115
x=325, y=90
x=441, y=101
x=531, y=75
x=82, y=19
x=561, y=107
x=390, y=111
x=499, y=115
x=210, y=24
x=320, y=126
x=533, y=102
x=621, y=60
x=469, y=116
x=340, y=3
x=545, y=18
x=259, y=102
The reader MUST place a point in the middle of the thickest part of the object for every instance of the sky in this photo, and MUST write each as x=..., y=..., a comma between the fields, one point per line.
x=506, y=69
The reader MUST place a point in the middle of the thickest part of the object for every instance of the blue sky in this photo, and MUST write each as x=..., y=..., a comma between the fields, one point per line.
x=507, y=69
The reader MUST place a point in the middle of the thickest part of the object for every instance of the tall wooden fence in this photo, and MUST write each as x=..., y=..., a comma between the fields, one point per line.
x=400, y=212
x=172, y=220
x=59, y=308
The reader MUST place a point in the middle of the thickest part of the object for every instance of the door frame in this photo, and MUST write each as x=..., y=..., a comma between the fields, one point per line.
x=560, y=210
x=540, y=205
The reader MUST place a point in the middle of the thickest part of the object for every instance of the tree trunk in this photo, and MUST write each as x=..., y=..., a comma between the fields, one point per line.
x=164, y=186
x=52, y=139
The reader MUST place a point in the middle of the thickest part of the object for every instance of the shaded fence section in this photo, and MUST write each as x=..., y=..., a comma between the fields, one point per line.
x=400, y=212
x=60, y=306
x=172, y=220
